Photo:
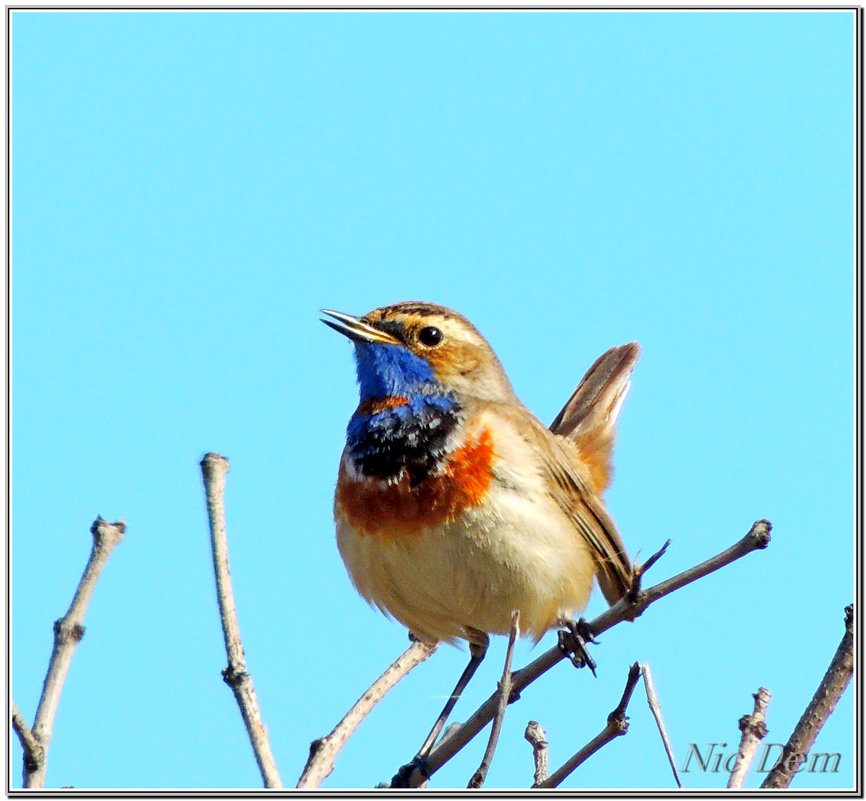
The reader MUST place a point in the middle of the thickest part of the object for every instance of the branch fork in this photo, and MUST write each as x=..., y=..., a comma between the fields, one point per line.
x=68, y=632
x=616, y=726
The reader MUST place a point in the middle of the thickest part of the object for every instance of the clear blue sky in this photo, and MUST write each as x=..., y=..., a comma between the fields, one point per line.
x=189, y=189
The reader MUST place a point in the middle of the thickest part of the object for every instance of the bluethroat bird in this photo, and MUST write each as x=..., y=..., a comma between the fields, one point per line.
x=454, y=504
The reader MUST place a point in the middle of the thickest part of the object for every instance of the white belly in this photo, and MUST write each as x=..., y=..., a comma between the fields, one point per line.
x=473, y=572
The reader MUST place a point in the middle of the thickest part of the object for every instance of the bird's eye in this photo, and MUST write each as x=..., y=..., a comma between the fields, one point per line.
x=430, y=336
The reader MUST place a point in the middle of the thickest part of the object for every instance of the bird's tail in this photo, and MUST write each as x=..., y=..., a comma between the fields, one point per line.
x=589, y=417
x=589, y=420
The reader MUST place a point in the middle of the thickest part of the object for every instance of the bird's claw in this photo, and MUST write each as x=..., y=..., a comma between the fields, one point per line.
x=573, y=640
x=581, y=628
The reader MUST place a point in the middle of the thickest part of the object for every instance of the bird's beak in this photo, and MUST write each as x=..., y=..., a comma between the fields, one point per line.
x=356, y=329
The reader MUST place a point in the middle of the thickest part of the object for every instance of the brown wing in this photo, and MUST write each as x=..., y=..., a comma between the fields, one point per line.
x=587, y=513
x=589, y=417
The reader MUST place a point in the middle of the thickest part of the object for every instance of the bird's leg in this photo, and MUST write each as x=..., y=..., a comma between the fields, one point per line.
x=477, y=650
x=476, y=656
x=573, y=641
x=480, y=775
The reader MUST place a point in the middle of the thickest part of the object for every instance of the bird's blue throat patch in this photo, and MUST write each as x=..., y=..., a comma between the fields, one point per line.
x=404, y=417
x=390, y=370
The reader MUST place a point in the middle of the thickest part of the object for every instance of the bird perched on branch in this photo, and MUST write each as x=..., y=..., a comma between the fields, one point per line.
x=454, y=504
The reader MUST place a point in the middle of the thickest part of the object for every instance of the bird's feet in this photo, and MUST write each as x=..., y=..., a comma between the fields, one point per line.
x=573, y=640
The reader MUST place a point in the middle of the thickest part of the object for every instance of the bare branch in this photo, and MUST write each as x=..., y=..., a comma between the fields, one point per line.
x=536, y=736
x=655, y=708
x=820, y=708
x=214, y=469
x=480, y=775
x=624, y=609
x=68, y=631
x=754, y=730
x=617, y=725
x=34, y=753
x=323, y=751
x=758, y=538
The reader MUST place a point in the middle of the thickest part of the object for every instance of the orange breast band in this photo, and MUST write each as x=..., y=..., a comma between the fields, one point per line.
x=376, y=405
x=399, y=509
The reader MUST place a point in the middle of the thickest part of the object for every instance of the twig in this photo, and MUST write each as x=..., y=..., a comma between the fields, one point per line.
x=754, y=730
x=640, y=571
x=624, y=609
x=324, y=750
x=820, y=708
x=480, y=775
x=536, y=736
x=68, y=631
x=214, y=469
x=655, y=708
x=617, y=725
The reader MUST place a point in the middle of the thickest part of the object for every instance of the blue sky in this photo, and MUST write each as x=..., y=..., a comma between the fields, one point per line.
x=189, y=189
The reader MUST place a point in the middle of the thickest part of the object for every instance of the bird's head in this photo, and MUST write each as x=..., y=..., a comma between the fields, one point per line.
x=413, y=348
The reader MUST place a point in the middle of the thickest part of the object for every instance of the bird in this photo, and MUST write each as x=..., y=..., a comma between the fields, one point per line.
x=454, y=504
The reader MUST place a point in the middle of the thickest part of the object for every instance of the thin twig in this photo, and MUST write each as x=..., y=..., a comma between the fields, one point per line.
x=324, y=751
x=655, y=708
x=754, y=729
x=536, y=736
x=820, y=708
x=480, y=775
x=616, y=726
x=624, y=609
x=68, y=631
x=640, y=571
x=214, y=469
